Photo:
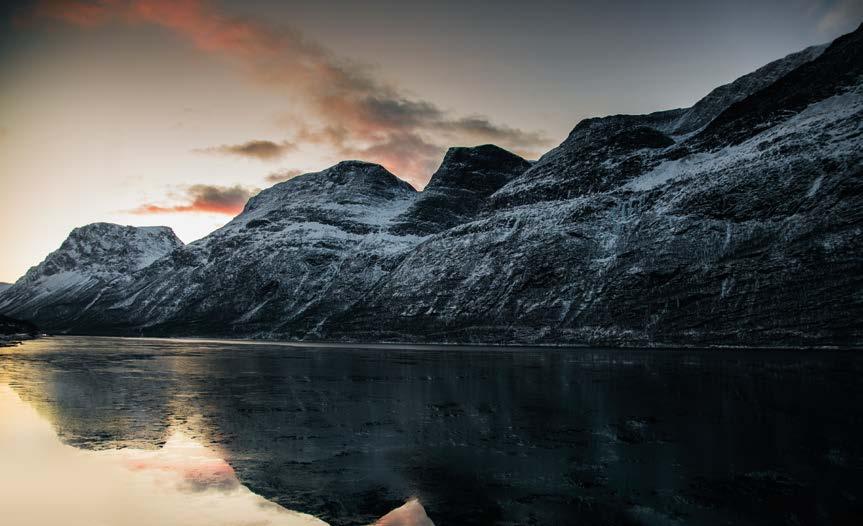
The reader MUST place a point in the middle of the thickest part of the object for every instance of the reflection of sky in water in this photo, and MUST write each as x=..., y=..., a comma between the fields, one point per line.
x=44, y=482
x=481, y=436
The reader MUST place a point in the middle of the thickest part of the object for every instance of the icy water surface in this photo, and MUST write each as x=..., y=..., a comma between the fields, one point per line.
x=478, y=436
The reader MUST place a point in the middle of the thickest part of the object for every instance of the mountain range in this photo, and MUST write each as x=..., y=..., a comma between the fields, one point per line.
x=735, y=222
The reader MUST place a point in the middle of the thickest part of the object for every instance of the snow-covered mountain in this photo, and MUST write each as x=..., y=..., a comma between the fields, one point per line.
x=735, y=222
x=303, y=247
x=746, y=233
x=71, y=278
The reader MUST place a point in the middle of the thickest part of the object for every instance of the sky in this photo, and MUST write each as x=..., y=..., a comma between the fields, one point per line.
x=174, y=112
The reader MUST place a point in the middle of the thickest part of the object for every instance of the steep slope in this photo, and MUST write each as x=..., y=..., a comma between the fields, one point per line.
x=622, y=235
x=600, y=153
x=65, y=285
x=838, y=69
x=708, y=108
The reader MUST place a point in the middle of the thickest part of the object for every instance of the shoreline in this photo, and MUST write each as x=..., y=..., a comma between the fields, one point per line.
x=13, y=340
x=455, y=346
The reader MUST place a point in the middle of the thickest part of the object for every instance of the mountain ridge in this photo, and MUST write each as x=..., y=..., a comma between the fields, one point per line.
x=658, y=229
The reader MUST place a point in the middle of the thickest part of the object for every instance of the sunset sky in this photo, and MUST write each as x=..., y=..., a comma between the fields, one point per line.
x=158, y=112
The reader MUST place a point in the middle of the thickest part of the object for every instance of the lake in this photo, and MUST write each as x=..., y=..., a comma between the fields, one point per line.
x=157, y=431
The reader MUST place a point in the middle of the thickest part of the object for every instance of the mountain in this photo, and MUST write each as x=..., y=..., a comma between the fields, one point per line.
x=747, y=233
x=735, y=222
x=302, y=247
x=62, y=288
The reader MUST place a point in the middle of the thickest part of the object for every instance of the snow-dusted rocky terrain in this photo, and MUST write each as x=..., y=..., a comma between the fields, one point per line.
x=75, y=275
x=735, y=222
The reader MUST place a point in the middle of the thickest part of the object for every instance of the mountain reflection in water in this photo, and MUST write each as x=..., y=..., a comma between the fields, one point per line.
x=481, y=436
x=44, y=482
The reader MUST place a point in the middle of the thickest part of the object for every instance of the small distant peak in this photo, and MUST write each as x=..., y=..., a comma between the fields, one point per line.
x=98, y=227
x=345, y=179
x=460, y=164
x=155, y=229
x=363, y=175
x=108, y=229
x=481, y=153
x=353, y=164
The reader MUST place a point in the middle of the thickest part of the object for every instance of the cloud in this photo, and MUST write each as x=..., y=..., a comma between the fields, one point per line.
x=345, y=107
x=202, y=198
x=257, y=149
x=81, y=13
x=282, y=175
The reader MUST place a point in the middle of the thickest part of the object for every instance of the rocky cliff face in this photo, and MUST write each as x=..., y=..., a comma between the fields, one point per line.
x=735, y=222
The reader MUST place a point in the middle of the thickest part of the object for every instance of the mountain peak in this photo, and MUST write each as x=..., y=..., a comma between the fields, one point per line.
x=365, y=174
x=102, y=229
x=90, y=258
x=109, y=247
x=468, y=166
x=345, y=180
x=460, y=188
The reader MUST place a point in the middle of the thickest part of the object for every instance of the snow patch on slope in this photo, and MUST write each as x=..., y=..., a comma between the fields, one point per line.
x=833, y=118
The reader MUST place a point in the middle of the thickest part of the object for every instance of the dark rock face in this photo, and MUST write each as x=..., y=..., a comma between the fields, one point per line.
x=735, y=222
x=459, y=189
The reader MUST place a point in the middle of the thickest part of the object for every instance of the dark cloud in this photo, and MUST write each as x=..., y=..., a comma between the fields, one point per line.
x=203, y=198
x=282, y=175
x=482, y=129
x=261, y=150
x=352, y=111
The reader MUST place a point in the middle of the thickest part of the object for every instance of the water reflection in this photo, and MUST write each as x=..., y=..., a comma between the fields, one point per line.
x=480, y=436
x=45, y=482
